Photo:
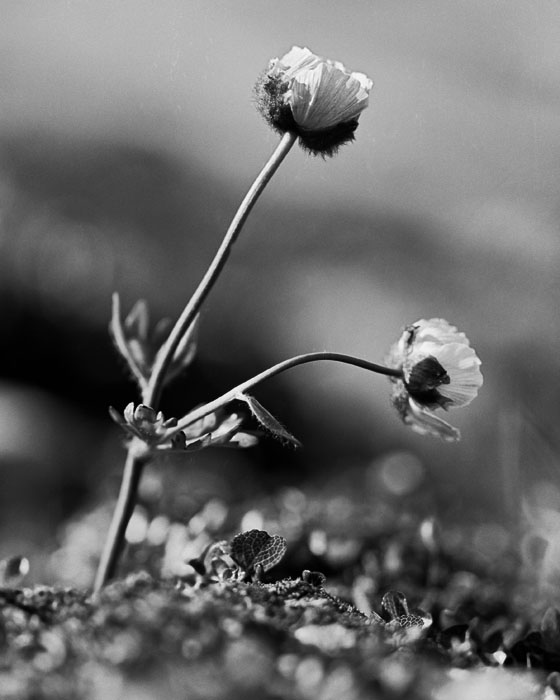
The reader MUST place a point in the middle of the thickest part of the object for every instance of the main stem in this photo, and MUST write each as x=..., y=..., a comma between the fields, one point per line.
x=276, y=369
x=134, y=462
x=123, y=509
x=164, y=357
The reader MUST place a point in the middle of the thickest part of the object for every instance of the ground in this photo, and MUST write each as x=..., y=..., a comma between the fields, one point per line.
x=361, y=600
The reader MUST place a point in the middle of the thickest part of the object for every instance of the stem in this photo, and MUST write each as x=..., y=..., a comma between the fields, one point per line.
x=121, y=515
x=151, y=392
x=277, y=369
x=165, y=355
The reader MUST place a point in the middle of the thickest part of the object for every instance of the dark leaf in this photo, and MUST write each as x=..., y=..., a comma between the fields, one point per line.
x=256, y=547
x=316, y=579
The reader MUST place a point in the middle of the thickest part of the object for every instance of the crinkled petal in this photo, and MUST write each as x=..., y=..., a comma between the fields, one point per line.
x=295, y=60
x=321, y=93
x=437, y=330
x=323, y=96
x=439, y=370
x=423, y=421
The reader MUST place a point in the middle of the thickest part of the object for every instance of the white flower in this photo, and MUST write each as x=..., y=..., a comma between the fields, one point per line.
x=314, y=97
x=440, y=370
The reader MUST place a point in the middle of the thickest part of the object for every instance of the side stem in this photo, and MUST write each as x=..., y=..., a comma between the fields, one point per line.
x=202, y=411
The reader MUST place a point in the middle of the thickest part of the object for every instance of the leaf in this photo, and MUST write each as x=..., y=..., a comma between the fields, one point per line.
x=185, y=351
x=242, y=440
x=257, y=548
x=137, y=323
x=267, y=420
x=202, y=426
x=117, y=333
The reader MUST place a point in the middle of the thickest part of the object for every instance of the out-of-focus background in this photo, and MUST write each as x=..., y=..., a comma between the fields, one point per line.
x=128, y=137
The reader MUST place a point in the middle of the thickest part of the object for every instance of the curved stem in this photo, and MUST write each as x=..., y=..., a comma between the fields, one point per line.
x=204, y=410
x=165, y=355
x=121, y=515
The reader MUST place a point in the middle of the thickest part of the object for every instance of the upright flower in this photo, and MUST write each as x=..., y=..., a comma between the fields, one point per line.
x=439, y=370
x=314, y=97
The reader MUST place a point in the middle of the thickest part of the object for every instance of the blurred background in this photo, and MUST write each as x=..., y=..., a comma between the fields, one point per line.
x=128, y=137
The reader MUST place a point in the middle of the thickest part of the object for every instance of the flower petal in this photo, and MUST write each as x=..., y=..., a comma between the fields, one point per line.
x=463, y=367
x=423, y=421
x=314, y=97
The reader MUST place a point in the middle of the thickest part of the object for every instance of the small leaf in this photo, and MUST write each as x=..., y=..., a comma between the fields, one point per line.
x=202, y=426
x=256, y=547
x=243, y=440
x=116, y=416
x=117, y=333
x=137, y=323
x=185, y=351
x=267, y=420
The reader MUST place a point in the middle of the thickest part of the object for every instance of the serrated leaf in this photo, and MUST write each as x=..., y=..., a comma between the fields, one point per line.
x=267, y=420
x=257, y=548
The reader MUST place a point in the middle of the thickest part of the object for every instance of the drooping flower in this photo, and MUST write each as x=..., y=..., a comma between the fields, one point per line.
x=314, y=97
x=439, y=370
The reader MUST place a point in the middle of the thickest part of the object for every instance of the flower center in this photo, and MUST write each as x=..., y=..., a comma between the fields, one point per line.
x=424, y=379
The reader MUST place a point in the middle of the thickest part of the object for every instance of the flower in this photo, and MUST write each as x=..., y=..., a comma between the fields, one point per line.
x=314, y=97
x=439, y=370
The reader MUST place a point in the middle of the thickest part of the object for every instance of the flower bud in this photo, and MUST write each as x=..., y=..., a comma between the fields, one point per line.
x=314, y=97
